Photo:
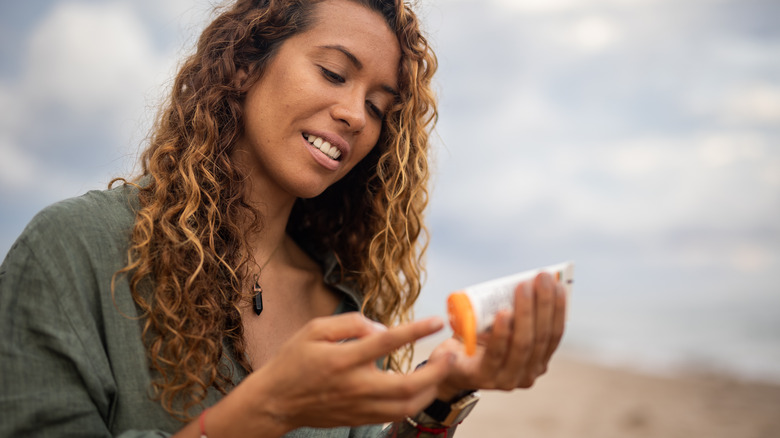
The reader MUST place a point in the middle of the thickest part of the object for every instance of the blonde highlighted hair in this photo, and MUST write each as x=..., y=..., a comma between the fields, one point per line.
x=189, y=248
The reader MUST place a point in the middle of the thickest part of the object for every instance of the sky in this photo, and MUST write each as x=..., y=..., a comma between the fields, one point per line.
x=638, y=138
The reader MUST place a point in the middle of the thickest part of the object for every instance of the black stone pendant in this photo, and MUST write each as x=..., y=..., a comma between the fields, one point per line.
x=257, y=301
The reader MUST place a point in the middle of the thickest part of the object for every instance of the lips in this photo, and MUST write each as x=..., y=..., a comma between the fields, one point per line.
x=323, y=146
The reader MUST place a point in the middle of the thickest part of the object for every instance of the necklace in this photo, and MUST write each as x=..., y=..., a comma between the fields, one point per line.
x=257, y=300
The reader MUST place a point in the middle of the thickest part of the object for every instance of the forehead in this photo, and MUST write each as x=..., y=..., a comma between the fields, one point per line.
x=362, y=31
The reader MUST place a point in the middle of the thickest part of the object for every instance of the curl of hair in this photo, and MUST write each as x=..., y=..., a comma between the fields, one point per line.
x=189, y=249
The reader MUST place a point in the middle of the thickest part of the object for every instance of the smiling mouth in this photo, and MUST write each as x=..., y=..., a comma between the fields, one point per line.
x=323, y=145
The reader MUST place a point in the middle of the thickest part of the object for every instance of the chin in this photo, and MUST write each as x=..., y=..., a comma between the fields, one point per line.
x=308, y=191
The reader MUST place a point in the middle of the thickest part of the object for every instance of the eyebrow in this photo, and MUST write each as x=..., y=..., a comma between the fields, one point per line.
x=358, y=65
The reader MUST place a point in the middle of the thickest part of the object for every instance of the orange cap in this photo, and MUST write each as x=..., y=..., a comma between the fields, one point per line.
x=462, y=320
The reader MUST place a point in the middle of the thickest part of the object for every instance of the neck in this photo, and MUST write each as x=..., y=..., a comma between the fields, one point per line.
x=272, y=202
x=274, y=209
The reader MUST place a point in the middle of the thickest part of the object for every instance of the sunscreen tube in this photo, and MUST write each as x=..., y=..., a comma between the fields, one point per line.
x=473, y=310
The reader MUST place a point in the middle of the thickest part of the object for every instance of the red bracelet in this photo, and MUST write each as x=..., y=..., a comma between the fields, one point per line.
x=420, y=428
x=202, y=423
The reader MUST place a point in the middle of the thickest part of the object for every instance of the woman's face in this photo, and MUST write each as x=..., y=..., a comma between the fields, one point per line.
x=317, y=109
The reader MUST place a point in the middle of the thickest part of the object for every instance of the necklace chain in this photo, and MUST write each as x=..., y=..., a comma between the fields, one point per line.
x=257, y=300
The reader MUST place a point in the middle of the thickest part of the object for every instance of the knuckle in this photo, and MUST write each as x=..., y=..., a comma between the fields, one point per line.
x=407, y=389
x=409, y=408
x=522, y=344
x=355, y=319
x=545, y=297
x=339, y=363
x=494, y=354
x=526, y=381
x=506, y=385
x=543, y=338
x=386, y=343
x=316, y=325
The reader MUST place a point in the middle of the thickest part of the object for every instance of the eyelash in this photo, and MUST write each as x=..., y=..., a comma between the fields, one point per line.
x=338, y=79
x=333, y=77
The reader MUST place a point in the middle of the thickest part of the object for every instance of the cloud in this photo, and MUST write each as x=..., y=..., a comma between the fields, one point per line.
x=17, y=168
x=594, y=33
x=563, y=6
x=756, y=103
x=87, y=87
x=89, y=58
x=556, y=146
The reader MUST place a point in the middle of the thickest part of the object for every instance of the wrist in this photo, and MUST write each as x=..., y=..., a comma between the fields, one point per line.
x=447, y=392
x=244, y=412
x=452, y=411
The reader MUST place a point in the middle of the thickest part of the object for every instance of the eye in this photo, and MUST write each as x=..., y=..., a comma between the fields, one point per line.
x=375, y=110
x=331, y=76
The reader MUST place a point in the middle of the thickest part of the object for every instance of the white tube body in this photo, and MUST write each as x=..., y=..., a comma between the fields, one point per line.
x=490, y=297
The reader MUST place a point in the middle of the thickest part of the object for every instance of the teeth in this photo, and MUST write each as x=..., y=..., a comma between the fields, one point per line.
x=324, y=146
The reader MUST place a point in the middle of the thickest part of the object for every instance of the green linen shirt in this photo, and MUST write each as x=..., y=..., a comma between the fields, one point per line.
x=72, y=361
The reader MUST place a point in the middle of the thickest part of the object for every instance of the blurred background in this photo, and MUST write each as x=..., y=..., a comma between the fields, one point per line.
x=639, y=138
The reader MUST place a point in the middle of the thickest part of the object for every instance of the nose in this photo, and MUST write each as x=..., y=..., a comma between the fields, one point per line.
x=351, y=110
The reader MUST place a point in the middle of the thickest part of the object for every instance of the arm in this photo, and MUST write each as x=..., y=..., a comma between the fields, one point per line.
x=54, y=378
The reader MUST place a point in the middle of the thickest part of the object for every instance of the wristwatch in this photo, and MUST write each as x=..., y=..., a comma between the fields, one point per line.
x=448, y=414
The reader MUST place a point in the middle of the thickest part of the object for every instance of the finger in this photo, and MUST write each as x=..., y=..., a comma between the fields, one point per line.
x=497, y=344
x=357, y=409
x=380, y=410
x=544, y=304
x=379, y=344
x=522, y=336
x=559, y=322
x=341, y=327
x=381, y=385
x=408, y=386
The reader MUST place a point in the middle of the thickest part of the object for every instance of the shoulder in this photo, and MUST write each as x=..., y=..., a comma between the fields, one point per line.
x=97, y=218
x=93, y=211
x=86, y=232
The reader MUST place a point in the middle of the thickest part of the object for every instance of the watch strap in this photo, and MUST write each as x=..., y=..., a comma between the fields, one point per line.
x=443, y=413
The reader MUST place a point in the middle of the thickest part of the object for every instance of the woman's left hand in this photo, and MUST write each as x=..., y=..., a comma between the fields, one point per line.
x=517, y=349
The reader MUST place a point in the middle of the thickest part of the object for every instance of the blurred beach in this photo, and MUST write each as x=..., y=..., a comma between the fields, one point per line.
x=578, y=399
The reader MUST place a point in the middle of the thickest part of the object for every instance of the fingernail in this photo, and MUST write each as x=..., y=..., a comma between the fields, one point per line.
x=435, y=323
x=379, y=326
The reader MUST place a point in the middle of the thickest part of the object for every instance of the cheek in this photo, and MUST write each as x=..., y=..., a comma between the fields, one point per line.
x=372, y=136
x=364, y=149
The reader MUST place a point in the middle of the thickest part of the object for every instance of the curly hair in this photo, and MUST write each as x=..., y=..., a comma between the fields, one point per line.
x=189, y=247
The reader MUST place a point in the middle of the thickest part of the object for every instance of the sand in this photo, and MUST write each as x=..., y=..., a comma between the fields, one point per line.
x=576, y=399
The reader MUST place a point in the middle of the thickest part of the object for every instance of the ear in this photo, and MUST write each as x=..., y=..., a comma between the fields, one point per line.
x=242, y=75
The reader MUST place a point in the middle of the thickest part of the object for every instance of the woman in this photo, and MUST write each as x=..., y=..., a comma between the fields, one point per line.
x=283, y=190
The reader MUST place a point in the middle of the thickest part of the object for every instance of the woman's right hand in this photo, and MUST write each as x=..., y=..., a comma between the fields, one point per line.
x=317, y=380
